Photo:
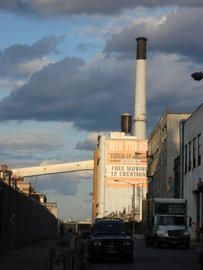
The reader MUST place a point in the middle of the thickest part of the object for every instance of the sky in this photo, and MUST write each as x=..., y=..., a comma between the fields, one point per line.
x=67, y=73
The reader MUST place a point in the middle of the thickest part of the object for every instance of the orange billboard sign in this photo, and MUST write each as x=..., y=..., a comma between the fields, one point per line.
x=126, y=162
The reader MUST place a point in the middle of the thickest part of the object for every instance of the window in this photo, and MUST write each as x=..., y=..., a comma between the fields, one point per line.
x=194, y=153
x=109, y=227
x=198, y=150
x=185, y=158
x=189, y=163
x=170, y=220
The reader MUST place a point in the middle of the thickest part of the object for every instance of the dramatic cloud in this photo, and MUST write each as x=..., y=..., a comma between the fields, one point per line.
x=21, y=60
x=82, y=47
x=179, y=32
x=70, y=191
x=72, y=90
x=29, y=148
x=31, y=141
x=47, y=7
x=94, y=94
x=63, y=184
x=89, y=144
x=8, y=84
x=20, y=160
x=170, y=85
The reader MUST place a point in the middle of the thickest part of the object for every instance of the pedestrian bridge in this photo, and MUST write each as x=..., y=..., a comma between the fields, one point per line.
x=87, y=165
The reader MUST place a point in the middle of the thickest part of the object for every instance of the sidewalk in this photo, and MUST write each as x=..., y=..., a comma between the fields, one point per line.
x=28, y=258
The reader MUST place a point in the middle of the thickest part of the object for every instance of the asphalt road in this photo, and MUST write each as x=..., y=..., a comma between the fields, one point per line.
x=146, y=258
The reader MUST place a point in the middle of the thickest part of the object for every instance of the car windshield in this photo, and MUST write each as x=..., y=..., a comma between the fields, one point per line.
x=170, y=220
x=109, y=228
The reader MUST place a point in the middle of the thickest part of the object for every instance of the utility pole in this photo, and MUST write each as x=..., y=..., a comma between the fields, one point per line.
x=133, y=207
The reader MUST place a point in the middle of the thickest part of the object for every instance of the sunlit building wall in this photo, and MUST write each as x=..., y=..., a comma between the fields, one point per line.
x=163, y=149
x=121, y=162
x=192, y=169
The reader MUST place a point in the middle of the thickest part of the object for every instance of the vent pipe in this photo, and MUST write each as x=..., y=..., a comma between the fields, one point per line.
x=126, y=123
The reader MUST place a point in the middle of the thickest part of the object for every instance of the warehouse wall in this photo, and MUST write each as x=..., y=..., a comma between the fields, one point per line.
x=22, y=219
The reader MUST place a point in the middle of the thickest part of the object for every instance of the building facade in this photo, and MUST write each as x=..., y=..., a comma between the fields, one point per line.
x=120, y=181
x=192, y=168
x=163, y=149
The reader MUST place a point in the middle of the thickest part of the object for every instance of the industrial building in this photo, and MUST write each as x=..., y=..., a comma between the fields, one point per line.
x=121, y=166
x=120, y=159
x=192, y=168
x=163, y=149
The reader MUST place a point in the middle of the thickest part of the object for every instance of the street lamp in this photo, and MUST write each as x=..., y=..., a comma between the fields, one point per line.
x=197, y=76
x=133, y=202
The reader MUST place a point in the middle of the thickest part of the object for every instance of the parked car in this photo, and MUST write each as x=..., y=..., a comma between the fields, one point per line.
x=110, y=239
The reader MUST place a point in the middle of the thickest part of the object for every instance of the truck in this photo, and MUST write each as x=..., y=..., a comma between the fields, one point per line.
x=167, y=222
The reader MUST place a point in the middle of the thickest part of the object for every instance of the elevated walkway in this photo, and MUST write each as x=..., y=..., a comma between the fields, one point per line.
x=87, y=165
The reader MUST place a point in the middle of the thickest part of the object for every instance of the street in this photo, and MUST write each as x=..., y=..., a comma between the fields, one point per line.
x=152, y=258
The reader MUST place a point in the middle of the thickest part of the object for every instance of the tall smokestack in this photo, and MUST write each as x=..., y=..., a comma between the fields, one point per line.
x=140, y=90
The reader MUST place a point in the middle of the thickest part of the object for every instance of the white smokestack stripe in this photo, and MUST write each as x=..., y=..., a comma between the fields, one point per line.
x=140, y=90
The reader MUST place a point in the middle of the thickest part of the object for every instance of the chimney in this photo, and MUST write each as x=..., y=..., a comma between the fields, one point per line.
x=140, y=90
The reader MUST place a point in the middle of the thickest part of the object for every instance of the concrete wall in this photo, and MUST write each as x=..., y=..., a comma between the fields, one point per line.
x=22, y=220
x=193, y=177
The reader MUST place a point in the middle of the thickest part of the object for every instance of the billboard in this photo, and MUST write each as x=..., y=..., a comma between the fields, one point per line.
x=126, y=162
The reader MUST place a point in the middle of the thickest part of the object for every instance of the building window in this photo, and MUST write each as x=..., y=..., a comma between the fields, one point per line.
x=189, y=163
x=185, y=158
x=194, y=153
x=198, y=150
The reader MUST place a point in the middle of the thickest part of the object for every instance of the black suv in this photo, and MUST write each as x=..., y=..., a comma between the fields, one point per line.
x=110, y=239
